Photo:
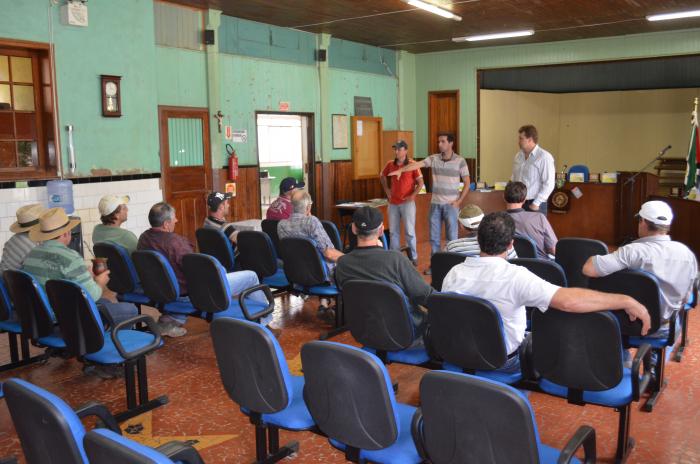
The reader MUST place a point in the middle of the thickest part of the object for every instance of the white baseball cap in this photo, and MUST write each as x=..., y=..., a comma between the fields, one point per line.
x=109, y=203
x=657, y=212
x=470, y=216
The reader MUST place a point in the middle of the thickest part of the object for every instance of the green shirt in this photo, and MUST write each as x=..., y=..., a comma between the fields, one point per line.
x=123, y=237
x=53, y=260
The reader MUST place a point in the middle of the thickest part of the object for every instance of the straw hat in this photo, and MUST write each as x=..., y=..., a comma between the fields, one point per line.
x=27, y=217
x=52, y=224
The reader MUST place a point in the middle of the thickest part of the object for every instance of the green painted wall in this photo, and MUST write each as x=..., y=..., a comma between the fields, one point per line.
x=407, y=90
x=457, y=70
x=181, y=77
x=118, y=41
x=383, y=91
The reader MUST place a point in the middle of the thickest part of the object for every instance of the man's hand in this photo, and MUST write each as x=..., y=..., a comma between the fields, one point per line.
x=456, y=204
x=102, y=279
x=396, y=173
x=635, y=310
x=388, y=193
x=534, y=207
x=411, y=197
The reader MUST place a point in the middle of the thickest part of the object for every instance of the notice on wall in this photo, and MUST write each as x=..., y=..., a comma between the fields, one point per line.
x=359, y=128
x=284, y=106
x=230, y=187
x=240, y=135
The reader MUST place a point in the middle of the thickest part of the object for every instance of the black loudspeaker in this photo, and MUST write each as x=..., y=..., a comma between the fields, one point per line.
x=209, y=37
x=320, y=55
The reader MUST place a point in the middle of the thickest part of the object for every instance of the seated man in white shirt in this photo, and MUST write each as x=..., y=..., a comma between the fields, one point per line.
x=673, y=264
x=511, y=288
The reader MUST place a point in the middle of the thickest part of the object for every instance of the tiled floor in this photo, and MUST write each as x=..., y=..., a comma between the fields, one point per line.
x=199, y=409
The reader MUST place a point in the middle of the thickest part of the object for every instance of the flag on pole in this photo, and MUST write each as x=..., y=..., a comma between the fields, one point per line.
x=691, y=172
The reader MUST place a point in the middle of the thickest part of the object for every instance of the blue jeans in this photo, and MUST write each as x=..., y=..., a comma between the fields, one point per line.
x=438, y=214
x=118, y=311
x=404, y=213
x=543, y=207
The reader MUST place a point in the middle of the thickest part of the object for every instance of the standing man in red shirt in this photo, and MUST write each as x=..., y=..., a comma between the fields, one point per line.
x=281, y=208
x=402, y=207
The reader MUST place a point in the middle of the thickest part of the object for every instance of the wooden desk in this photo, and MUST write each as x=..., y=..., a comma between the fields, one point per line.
x=594, y=215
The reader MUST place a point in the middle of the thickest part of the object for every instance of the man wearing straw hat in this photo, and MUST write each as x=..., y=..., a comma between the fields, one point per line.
x=52, y=259
x=19, y=245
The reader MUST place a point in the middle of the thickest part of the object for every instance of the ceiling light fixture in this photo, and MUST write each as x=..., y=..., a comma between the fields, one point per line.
x=680, y=15
x=433, y=9
x=501, y=35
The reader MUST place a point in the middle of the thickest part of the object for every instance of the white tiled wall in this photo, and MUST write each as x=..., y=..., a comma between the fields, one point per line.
x=143, y=193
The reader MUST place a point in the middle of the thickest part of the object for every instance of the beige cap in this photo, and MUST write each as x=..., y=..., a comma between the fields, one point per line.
x=52, y=224
x=470, y=216
x=109, y=203
x=27, y=217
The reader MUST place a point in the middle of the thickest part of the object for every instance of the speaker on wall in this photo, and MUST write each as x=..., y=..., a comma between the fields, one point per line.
x=320, y=55
x=209, y=37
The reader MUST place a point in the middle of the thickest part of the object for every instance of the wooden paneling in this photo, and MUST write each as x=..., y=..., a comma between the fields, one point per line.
x=366, y=146
x=366, y=21
x=685, y=221
x=594, y=215
x=443, y=116
x=246, y=203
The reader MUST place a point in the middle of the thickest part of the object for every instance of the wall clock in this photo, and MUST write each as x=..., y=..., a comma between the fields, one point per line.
x=111, y=96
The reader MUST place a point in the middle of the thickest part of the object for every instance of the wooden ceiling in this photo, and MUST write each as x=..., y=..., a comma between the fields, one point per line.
x=395, y=24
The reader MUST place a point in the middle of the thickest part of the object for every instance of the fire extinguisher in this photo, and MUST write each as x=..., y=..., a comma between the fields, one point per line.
x=232, y=162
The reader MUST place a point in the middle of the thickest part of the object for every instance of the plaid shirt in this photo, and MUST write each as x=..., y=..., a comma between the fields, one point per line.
x=173, y=246
x=301, y=225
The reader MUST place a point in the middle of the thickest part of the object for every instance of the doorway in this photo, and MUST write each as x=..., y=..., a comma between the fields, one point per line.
x=185, y=164
x=285, y=149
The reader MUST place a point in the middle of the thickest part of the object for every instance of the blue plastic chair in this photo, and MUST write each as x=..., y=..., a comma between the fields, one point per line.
x=123, y=279
x=255, y=374
x=104, y=446
x=463, y=418
x=160, y=283
x=579, y=168
x=525, y=247
x=86, y=338
x=257, y=253
x=350, y=396
x=10, y=324
x=214, y=243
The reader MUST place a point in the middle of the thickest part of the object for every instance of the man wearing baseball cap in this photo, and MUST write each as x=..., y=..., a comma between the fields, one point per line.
x=369, y=261
x=19, y=245
x=673, y=264
x=114, y=213
x=470, y=217
x=281, y=208
x=401, y=195
x=219, y=207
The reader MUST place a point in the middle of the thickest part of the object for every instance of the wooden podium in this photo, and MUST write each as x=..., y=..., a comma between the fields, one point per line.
x=630, y=196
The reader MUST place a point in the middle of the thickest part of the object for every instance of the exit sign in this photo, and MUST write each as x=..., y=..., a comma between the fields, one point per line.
x=284, y=106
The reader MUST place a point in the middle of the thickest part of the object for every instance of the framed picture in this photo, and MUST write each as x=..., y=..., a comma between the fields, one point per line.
x=340, y=131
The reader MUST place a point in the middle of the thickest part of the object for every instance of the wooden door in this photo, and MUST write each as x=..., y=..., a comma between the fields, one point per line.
x=366, y=146
x=443, y=116
x=185, y=165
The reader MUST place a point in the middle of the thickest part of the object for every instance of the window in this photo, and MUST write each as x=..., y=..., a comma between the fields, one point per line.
x=27, y=143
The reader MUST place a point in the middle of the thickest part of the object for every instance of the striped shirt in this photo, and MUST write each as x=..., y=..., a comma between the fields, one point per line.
x=446, y=176
x=15, y=250
x=227, y=228
x=469, y=246
x=53, y=260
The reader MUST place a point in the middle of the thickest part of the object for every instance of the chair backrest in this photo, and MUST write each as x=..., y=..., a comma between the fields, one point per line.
x=524, y=246
x=252, y=365
x=103, y=446
x=29, y=300
x=256, y=253
x=303, y=263
x=354, y=404
x=545, y=269
x=122, y=273
x=5, y=302
x=578, y=351
x=378, y=314
x=332, y=231
x=156, y=275
x=441, y=263
x=269, y=226
x=48, y=429
x=206, y=280
x=471, y=419
x=572, y=254
x=642, y=286
x=579, y=168
x=77, y=315
x=214, y=243
x=466, y=331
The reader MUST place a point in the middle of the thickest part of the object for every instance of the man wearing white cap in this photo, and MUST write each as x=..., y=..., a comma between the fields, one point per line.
x=673, y=264
x=19, y=245
x=470, y=217
x=113, y=213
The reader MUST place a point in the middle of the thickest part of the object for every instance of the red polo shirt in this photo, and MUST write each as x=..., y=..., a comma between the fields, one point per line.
x=402, y=186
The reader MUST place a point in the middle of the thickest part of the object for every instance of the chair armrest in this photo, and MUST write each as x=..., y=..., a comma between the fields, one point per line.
x=152, y=326
x=640, y=386
x=259, y=315
x=104, y=314
x=417, y=433
x=99, y=410
x=584, y=436
x=178, y=451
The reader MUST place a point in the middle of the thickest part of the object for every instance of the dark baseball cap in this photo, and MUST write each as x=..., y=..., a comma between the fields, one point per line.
x=367, y=218
x=215, y=198
x=400, y=144
x=290, y=183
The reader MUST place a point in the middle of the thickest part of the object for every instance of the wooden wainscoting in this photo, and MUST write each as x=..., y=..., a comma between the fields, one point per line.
x=246, y=203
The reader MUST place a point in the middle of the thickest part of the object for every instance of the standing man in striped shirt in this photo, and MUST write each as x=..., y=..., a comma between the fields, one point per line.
x=534, y=167
x=448, y=169
x=19, y=245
